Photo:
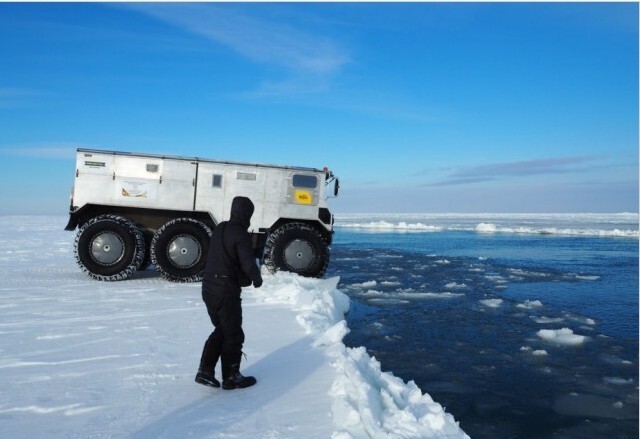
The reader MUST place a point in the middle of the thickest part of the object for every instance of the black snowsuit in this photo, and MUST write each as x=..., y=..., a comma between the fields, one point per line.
x=229, y=261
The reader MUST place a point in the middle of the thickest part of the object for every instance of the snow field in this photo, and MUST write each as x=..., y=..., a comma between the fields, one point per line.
x=81, y=358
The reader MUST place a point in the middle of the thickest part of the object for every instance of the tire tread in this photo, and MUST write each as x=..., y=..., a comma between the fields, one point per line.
x=281, y=234
x=139, y=251
x=154, y=256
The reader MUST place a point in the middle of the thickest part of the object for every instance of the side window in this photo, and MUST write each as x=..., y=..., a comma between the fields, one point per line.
x=246, y=176
x=305, y=181
x=152, y=167
x=217, y=180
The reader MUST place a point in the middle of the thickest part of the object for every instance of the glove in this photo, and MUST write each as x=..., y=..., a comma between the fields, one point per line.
x=257, y=283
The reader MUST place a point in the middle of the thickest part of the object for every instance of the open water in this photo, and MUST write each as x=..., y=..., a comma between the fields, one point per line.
x=521, y=326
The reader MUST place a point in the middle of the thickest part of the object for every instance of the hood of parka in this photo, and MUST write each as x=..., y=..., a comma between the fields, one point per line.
x=241, y=211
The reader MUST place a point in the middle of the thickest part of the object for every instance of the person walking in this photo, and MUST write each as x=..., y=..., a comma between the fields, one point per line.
x=231, y=265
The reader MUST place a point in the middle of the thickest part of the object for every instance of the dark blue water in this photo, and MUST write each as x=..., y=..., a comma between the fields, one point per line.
x=461, y=314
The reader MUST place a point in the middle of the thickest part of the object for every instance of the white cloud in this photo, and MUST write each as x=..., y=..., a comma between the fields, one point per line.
x=257, y=39
x=509, y=170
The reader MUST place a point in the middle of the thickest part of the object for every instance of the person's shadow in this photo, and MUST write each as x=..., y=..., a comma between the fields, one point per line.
x=277, y=373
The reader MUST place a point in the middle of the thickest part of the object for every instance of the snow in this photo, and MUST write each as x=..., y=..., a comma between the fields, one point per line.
x=82, y=358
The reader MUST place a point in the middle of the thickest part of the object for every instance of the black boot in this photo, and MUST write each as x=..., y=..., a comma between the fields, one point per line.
x=207, y=379
x=231, y=376
x=236, y=380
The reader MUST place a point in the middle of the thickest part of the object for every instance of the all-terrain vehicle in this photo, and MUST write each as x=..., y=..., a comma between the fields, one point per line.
x=133, y=210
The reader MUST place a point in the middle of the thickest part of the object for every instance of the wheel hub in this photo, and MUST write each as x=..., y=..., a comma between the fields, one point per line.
x=298, y=254
x=184, y=251
x=107, y=248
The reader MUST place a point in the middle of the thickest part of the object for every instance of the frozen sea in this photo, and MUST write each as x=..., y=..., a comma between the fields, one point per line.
x=521, y=326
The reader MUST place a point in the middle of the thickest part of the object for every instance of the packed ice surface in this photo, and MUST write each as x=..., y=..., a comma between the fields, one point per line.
x=580, y=224
x=385, y=225
x=81, y=358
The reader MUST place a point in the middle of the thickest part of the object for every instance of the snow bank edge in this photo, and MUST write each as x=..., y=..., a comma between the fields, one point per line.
x=366, y=401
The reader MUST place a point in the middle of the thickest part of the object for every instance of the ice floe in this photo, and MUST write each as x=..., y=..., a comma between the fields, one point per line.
x=564, y=336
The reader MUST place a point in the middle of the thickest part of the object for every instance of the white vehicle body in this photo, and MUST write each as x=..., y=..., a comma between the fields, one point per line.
x=152, y=190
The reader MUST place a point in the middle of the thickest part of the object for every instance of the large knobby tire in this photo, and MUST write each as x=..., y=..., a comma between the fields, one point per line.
x=179, y=250
x=109, y=247
x=298, y=248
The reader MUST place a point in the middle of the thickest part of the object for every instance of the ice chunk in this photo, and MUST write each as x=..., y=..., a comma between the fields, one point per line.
x=486, y=228
x=454, y=286
x=526, y=273
x=564, y=336
x=618, y=381
x=615, y=360
x=373, y=293
x=546, y=320
x=496, y=278
x=529, y=304
x=537, y=352
x=445, y=295
x=372, y=403
x=492, y=303
x=585, y=277
x=333, y=335
x=368, y=284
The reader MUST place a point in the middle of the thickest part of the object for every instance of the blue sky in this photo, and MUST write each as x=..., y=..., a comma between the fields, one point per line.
x=418, y=107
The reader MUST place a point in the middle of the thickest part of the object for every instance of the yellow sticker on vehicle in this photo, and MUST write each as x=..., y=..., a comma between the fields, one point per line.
x=304, y=197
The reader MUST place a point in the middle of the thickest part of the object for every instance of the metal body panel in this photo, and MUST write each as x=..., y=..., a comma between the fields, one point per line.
x=193, y=184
